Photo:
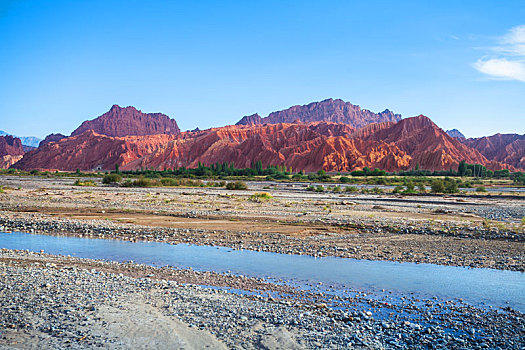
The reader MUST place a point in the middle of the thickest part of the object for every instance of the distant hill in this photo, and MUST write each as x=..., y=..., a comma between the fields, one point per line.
x=31, y=141
x=456, y=133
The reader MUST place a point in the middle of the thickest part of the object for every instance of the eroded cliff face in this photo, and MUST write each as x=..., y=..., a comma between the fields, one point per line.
x=11, y=151
x=427, y=144
x=307, y=147
x=7, y=161
x=337, y=111
x=91, y=151
x=10, y=146
x=504, y=148
x=128, y=121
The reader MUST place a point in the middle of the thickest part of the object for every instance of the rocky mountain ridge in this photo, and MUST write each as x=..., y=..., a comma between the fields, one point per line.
x=330, y=110
x=128, y=121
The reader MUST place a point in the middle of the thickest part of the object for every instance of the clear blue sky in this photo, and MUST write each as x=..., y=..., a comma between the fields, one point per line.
x=208, y=63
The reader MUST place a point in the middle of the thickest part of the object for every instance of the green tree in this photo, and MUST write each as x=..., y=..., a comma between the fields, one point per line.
x=462, y=167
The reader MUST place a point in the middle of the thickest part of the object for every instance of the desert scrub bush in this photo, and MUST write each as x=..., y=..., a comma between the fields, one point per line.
x=111, y=178
x=410, y=188
x=421, y=188
x=481, y=189
x=351, y=189
x=237, y=185
x=437, y=186
x=319, y=189
x=398, y=189
x=169, y=182
x=377, y=190
x=140, y=182
x=85, y=183
x=260, y=197
x=336, y=189
x=310, y=188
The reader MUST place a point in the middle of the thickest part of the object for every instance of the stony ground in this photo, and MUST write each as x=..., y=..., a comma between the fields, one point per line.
x=62, y=302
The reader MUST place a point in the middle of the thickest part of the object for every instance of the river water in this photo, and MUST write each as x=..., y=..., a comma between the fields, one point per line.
x=474, y=285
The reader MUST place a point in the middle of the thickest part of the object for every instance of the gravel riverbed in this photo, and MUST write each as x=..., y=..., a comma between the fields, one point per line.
x=62, y=302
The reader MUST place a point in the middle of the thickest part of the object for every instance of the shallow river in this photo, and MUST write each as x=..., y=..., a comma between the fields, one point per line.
x=474, y=285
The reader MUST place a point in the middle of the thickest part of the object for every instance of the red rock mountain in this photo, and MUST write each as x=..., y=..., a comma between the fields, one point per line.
x=52, y=138
x=337, y=111
x=10, y=146
x=429, y=146
x=128, y=121
x=11, y=151
x=91, y=151
x=301, y=146
x=504, y=148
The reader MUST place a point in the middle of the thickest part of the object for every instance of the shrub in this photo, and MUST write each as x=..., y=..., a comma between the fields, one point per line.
x=377, y=190
x=319, y=189
x=451, y=186
x=237, y=185
x=437, y=186
x=397, y=189
x=421, y=187
x=351, y=189
x=85, y=183
x=260, y=197
x=336, y=189
x=111, y=178
x=380, y=181
x=481, y=189
x=344, y=179
x=310, y=188
x=140, y=182
x=169, y=182
x=410, y=188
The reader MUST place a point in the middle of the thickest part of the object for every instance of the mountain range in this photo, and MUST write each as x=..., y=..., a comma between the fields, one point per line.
x=332, y=135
